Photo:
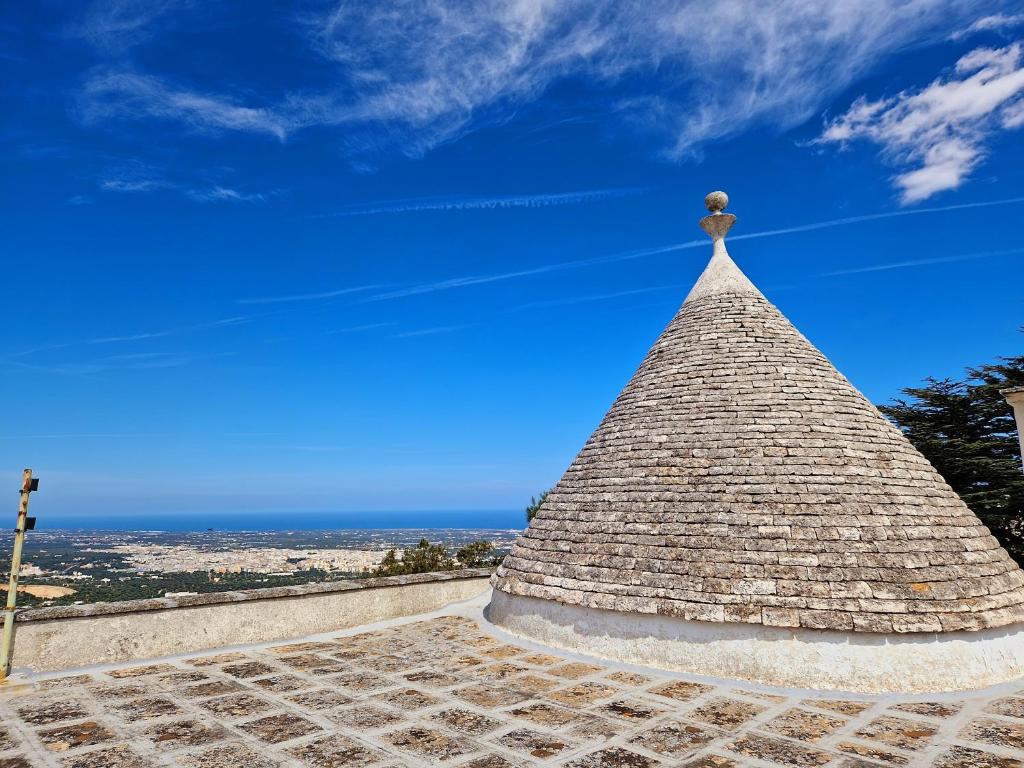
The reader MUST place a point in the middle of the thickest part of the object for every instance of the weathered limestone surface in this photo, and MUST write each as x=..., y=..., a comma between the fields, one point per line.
x=739, y=477
x=48, y=639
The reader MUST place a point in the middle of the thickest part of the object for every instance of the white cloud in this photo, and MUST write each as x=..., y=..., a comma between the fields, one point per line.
x=126, y=94
x=415, y=73
x=939, y=133
x=997, y=22
x=114, y=25
x=141, y=179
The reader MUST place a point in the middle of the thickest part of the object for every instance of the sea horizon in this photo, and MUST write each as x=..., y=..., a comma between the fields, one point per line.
x=241, y=522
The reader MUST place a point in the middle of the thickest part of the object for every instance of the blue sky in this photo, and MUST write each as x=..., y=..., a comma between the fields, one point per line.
x=403, y=255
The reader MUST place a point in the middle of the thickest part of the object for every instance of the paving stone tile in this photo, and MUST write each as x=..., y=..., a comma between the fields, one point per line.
x=873, y=753
x=779, y=751
x=64, y=682
x=182, y=678
x=6, y=740
x=386, y=663
x=232, y=755
x=500, y=671
x=184, y=733
x=726, y=713
x=503, y=652
x=573, y=670
x=489, y=696
x=408, y=699
x=544, y=714
x=302, y=647
x=146, y=709
x=66, y=737
x=466, y=721
x=534, y=743
x=628, y=678
x=111, y=757
x=772, y=697
x=614, y=757
x=306, y=661
x=280, y=683
x=680, y=690
x=115, y=691
x=965, y=757
x=539, y=659
x=928, y=708
x=48, y=711
x=248, y=669
x=217, y=658
x=430, y=743
x=432, y=679
x=361, y=681
x=212, y=688
x=590, y=727
x=320, y=699
x=987, y=730
x=1008, y=706
x=151, y=669
x=491, y=761
x=237, y=705
x=710, y=761
x=283, y=727
x=630, y=709
x=898, y=732
x=804, y=725
x=336, y=751
x=534, y=684
x=364, y=717
x=464, y=662
x=582, y=694
x=676, y=739
x=841, y=706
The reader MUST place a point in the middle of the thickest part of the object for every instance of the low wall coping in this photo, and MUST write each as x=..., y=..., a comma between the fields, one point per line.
x=242, y=595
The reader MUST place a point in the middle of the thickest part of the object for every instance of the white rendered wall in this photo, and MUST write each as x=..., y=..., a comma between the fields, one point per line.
x=799, y=658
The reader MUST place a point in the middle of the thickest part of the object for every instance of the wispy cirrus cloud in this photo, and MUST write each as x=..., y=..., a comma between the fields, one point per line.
x=431, y=331
x=114, y=25
x=120, y=94
x=310, y=296
x=998, y=22
x=569, y=300
x=939, y=134
x=359, y=328
x=136, y=178
x=412, y=74
x=912, y=263
x=488, y=202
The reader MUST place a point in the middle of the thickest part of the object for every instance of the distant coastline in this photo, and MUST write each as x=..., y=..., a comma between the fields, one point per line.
x=288, y=521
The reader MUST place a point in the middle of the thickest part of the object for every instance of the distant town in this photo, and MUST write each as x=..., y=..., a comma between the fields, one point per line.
x=63, y=567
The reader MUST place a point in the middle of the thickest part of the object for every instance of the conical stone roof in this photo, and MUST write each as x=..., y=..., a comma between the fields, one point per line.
x=739, y=477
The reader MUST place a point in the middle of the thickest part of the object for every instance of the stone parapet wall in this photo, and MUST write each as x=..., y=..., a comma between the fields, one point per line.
x=65, y=637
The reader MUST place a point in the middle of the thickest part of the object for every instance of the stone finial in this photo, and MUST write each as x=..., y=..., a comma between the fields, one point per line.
x=716, y=202
x=718, y=223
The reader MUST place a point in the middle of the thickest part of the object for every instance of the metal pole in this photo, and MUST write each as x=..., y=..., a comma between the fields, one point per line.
x=7, y=642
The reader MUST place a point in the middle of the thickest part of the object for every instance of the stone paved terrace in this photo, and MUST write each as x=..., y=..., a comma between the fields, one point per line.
x=448, y=688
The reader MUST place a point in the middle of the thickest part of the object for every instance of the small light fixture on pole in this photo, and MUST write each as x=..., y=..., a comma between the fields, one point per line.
x=25, y=523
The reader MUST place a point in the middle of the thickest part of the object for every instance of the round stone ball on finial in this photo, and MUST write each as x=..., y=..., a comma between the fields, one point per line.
x=716, y=201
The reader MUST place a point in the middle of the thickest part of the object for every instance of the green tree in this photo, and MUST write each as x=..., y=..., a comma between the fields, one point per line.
x=967, y=431
x=423, y=558
x=477, y=554
x=534, y=505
